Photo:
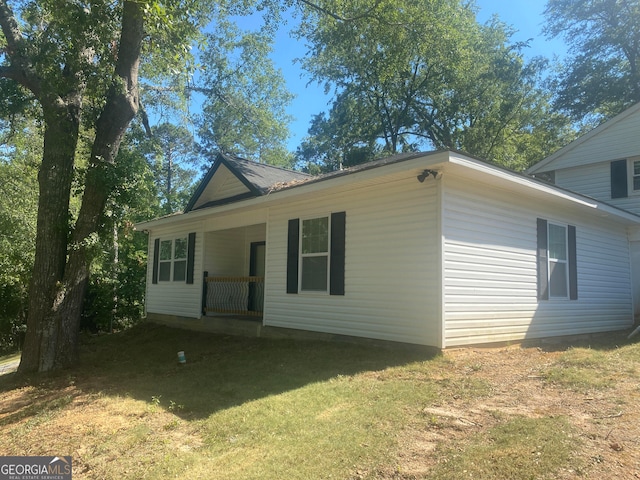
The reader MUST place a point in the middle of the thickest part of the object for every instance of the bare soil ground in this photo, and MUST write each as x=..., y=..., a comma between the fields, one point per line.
x=477, y=390
x=606, y=419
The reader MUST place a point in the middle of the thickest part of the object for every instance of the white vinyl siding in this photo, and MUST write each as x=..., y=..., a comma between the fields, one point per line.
x=223, y=185
x=595, y=181
x=175, y=298
x=227, y=252
x=391, y=264
x=490, y=271
x=615, y=139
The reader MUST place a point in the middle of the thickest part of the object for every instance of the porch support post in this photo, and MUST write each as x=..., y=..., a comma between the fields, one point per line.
x=204, y=293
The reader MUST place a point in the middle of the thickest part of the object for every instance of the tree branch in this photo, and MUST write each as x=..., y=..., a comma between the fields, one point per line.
x=10, y=29
x=340, y=18
x=21, y=69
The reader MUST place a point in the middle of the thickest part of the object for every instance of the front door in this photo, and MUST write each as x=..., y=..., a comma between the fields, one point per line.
x=257, y=269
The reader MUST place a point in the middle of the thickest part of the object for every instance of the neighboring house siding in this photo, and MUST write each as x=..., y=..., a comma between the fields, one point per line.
x=175, y=298
x=391, y=264
x=618, y=140
x=490, y=272
x=595, y=181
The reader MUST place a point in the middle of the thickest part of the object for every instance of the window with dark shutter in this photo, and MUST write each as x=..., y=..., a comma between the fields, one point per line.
x=293, y=241
x=191, y=248
x=174, y=259
x=543, y=273
x=557, y=261
x=156, y=259
x=316, y=254
x=619, y=183
x=573, y=267
x=338, y=222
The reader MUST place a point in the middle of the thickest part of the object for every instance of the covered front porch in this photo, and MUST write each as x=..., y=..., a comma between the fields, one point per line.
x=234, y=270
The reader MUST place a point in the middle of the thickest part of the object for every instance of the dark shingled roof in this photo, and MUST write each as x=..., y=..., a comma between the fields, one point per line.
x=259, y=178
x=262, y=176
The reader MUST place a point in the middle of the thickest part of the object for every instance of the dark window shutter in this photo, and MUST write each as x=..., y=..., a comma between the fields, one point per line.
x=543, y=266
x=156, y=259
x=191, y=253
x=619, y=179
x=573, y=268
x=336, y=281
x=293, y=241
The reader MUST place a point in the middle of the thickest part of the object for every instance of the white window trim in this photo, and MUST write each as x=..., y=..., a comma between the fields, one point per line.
x=321, y=254
x=558, y=261
x=172, y=260
x=630, y=189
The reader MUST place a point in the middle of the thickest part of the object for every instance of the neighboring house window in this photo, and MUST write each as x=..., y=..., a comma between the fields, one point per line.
x=635, y=174
x=174, y=259
x=625, y=177
x=557, y=269
x=316, y=254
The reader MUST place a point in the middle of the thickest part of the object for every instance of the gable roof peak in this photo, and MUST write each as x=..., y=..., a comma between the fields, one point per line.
x=257, y=178
x=547, y=164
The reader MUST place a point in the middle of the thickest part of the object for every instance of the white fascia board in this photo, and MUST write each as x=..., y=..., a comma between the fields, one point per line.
x=367, y=174
x=498, y=175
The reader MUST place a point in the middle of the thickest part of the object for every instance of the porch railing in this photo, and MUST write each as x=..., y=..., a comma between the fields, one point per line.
x=235, y=295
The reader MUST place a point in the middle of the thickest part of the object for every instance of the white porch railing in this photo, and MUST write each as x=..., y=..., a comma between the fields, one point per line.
x=236, y=295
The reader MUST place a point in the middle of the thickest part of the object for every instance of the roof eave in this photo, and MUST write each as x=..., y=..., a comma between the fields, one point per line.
x=545, y=162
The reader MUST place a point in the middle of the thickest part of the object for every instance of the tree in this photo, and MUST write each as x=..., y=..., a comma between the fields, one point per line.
x=244, y=109
x=422, y=73
x=56, y=70
x=80, y=62
x=601, y=76
x=174, y=161
x=19, y=161
x=115, y=293
x=330, y=145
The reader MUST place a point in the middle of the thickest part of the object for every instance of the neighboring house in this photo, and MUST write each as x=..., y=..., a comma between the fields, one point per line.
x=437, y=249
x=604, y=164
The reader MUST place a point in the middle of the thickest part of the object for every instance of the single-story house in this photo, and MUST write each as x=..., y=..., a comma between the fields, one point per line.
x=437, y=249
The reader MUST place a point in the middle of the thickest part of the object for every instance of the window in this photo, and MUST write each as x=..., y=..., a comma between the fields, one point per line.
x=173, y=260
x=625, y=177
x=556, y=256
x=314, y=255
x=558, y=262
x=635, y=174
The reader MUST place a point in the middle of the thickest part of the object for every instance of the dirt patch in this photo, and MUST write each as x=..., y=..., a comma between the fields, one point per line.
x=606, y=419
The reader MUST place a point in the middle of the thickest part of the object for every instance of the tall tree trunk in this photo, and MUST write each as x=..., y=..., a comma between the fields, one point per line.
x=55, y=177
x=54, y=322
x=122, y=105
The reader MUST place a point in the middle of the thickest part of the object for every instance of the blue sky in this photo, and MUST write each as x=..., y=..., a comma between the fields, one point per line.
x=524, y=15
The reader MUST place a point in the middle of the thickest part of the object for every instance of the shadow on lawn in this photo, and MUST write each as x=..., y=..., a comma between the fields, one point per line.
x=220, y=372
x=605, y=341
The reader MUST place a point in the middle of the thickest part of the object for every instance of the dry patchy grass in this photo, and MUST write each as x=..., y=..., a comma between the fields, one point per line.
x=255, y=408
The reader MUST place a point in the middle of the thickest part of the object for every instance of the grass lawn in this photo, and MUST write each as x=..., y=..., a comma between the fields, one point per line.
x=245, y=408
